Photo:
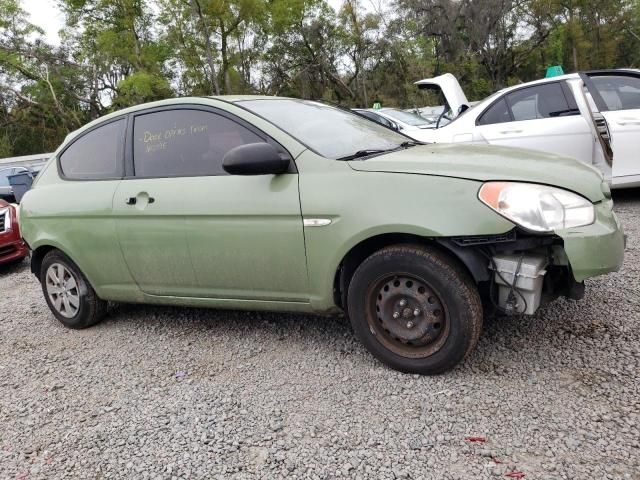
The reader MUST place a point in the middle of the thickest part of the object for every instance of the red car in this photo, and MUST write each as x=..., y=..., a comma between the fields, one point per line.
x=12, y=248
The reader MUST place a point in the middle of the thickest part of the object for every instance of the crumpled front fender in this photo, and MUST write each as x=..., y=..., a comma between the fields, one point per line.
x=598, y=248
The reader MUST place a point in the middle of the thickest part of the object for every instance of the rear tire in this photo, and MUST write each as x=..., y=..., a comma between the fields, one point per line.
x=69, y=295
x=415, y=310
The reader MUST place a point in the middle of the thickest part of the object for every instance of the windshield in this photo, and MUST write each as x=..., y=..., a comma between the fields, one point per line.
x=329, y=131
x=407, y=117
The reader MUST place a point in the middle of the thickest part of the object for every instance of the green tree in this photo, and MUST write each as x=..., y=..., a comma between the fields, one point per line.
x=362, y=32
x=113, y=42
x=116, y=53
x=38, y=101
x=304, y=53
x=215, y=37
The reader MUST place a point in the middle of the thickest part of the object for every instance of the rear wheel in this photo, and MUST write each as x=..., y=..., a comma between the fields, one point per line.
x=414, y=309
x=69, y=295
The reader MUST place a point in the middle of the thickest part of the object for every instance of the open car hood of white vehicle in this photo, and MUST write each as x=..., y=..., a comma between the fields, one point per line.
x=450, y=88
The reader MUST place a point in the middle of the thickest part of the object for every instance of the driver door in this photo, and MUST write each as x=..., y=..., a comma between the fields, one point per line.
x=188, y=228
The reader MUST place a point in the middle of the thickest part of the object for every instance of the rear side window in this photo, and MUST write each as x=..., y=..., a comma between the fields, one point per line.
x=184, y=142
x=619, y=92
x=95, y=155
x=541, y=101
x=497, y=113
x=4, y=176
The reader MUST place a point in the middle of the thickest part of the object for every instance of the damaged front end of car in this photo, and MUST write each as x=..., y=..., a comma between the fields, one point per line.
x=560, y=239
x=517, y=272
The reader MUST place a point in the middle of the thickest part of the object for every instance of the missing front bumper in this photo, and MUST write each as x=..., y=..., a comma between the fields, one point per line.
x=520, y=279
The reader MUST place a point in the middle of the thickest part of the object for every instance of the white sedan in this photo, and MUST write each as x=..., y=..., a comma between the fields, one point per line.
x=591, y=116
x=411, y=124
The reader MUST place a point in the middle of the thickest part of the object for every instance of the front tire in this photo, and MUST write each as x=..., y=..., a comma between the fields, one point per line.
x=69, y=295
x=415, y=310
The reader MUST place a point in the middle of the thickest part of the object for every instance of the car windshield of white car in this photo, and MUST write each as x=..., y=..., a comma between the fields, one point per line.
x=408, y=118
x=328, y=131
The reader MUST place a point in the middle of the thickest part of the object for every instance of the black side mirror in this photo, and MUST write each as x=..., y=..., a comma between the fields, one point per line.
x=254, y=159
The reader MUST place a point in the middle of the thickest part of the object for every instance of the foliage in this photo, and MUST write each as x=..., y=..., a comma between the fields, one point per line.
x=140, y=87
x=117, y=53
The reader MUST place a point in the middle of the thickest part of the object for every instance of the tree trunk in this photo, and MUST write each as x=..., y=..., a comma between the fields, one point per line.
x=195, y=4
x=225, y=61
x=93, y=107
x=574, y=49
x=364, y=89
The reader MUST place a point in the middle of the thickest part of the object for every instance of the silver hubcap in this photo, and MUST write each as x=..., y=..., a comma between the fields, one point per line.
x=62, y=289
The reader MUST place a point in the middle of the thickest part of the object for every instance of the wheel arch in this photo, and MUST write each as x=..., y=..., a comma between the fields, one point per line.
x=38, y=253
x=469, y=260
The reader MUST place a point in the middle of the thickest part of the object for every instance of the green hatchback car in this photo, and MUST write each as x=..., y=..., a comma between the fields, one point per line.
x=268, y=203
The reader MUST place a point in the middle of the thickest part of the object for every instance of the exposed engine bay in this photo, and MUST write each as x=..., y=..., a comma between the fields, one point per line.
x=517, y=272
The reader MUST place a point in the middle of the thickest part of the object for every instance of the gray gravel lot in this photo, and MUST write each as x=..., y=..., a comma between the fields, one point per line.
x=187, y=393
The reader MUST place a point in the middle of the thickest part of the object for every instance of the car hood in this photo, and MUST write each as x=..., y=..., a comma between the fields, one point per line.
x=487, y=162
x=450, y=88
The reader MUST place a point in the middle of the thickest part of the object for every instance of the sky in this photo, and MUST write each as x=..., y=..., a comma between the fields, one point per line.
x=47, y=15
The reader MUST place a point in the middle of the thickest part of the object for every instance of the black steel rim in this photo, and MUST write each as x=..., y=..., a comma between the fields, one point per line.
x=407, y=315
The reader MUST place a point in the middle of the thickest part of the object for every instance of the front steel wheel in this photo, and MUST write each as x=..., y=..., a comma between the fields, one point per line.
x=414, y=309
x=408, y=316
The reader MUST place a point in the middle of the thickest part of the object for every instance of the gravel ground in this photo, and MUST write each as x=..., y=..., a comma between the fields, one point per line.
x=188, y=393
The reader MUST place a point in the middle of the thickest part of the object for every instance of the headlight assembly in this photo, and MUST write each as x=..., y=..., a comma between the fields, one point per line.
x=537, y=207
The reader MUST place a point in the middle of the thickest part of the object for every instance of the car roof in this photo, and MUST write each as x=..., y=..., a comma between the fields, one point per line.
x=378, y=110
x=168, y=102
x=569, y=76
x=243, y=98
x=538, y=82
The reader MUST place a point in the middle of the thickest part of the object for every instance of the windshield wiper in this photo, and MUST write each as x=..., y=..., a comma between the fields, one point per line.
x=410, y=143
x=364, y=153
x=374, y=151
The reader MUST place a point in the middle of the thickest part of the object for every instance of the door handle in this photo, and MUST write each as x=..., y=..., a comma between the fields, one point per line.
x=507, y=132
x=629, y=121
x=134, y=200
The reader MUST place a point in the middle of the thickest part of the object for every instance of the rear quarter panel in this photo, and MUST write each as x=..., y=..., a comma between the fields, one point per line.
x=76, y=218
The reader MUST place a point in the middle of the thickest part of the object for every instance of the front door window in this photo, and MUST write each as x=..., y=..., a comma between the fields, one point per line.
x=184, y=143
